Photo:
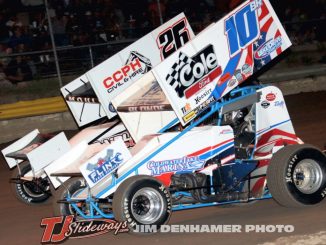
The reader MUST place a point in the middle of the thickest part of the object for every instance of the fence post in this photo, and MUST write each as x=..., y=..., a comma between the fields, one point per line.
x=159, y=11
x=91, y=55
x=53, y=43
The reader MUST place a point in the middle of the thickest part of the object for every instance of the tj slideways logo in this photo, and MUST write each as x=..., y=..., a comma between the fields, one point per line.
x=59, y=229
x=190, y=74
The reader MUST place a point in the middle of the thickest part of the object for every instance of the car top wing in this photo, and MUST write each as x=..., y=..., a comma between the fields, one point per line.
x=220, y=58
x=115, y=74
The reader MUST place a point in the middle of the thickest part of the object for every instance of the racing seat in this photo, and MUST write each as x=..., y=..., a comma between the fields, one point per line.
x=244, y=137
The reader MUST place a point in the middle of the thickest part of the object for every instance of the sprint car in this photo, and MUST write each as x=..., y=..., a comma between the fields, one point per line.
x=29, y=181
x=245, y=153
x=220, y=142
x=35, y=156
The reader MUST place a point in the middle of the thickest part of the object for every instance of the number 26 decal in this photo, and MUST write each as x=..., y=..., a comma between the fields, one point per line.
x=241, y=29
x=173, y=38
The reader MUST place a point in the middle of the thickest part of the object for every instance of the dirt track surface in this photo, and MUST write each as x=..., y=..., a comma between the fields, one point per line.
x=20, y=224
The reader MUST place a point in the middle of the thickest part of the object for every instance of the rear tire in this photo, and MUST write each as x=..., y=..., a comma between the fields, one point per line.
x=142, y=200
x=296, y=176
x=30, y=192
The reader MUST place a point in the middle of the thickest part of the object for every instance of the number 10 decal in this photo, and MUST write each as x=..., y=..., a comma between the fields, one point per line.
x=241, y=29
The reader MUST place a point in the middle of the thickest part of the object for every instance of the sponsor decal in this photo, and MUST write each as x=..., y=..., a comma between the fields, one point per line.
x=111, y=108
x=189, y=75
x=204, y=105
x=136, y=64
x=227, y=131
x=59, y=229
x=104, y=166
x=246, y=69
x=323, y=193
x=279, y=103
x=147, y=108
x=173, y=38
x=198, y=109
x=224, y=78
x=186, y=108
x=199, y=98
x=189, y=116
x=255, y=4
x=270, y=97
x=268, y=47
x=238, y=75
x=124, y=135
x=241, y=28
x=265, y=104
x=175, y=165
x=288, y=177
x=232, y=82
x=81, y=99
x=227, y=159
x=146, y=63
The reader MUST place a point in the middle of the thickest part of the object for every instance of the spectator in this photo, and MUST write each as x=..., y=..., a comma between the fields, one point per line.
x=59, y=29
x=4, y=52
x=72, y=27
x=81, y=39
x=88, y=22
x=32, y=2
x=4, y=82
x=39, y=31
x=18, y=37
x=13, y=22
x=4, y=30
x=145, y=24
x=131, y=26
x=18, y=69
x=119, y=16
x=114, y=29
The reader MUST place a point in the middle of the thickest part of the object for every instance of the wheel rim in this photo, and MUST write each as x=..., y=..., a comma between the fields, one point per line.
x=147, y=205
x=307, y=176
x=33, y=189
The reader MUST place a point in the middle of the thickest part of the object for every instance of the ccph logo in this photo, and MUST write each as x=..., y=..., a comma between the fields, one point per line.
x=136, y=64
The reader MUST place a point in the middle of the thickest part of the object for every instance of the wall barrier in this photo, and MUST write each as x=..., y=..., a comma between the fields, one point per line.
x=33, y=108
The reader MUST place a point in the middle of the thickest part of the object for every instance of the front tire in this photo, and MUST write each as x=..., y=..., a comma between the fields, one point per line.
x=296, y=176
x=69, y=188
x=33, y=192
x=142, y=200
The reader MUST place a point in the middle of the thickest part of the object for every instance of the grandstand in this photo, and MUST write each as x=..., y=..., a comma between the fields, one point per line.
x=86, y=32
